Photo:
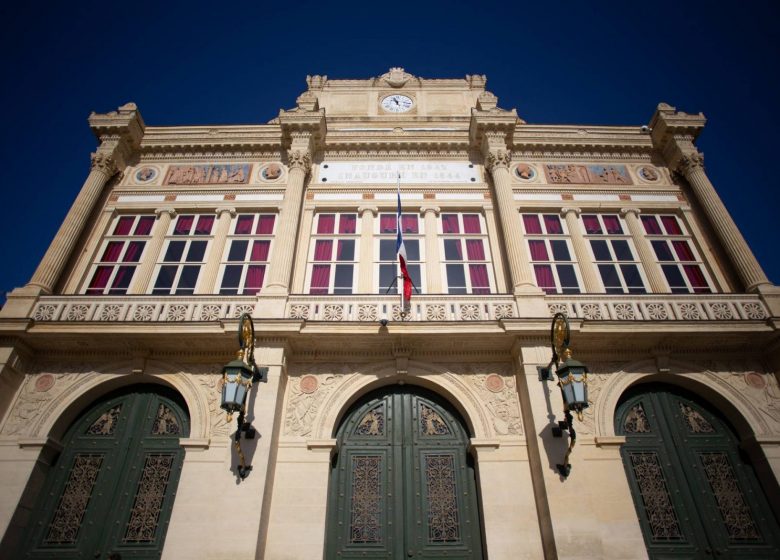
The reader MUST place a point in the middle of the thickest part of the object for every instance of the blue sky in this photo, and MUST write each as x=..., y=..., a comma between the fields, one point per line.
x=235, y=63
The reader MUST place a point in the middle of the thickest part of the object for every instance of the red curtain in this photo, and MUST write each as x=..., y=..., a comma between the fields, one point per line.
x=387, y=223
x=122, y=278
x=591, y=223
x=683, y=250
x=254, y=279
x=100, y=279
x=134, y=250
x=323, y=249
x=244, y=224
x=695, y=276
x=348, y=223
x=475, y=250
x=265, y=224
x=123, y=225
x=183, y=225
x=260, y=250
x=531, y=223
x=544, y=278
x=651, y=225
x=479, y=279
x=113, y=249
x=670, y=225
x=326, y=223
x=552, y=223
x=409, y=223
x=612, y=223
x=205, y=223
x=449, y=223
x=144, y=226
x=538, y=250
x=471, y=223
x=320, y=274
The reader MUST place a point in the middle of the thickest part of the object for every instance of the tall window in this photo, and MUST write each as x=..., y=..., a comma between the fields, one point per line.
x=466, y=255
x=247, y=253
x=333, y=254
x=551, y=254
x=613, y=253
x=119, y=255
x=676, y=254
x=183, y=254
x=388, y=261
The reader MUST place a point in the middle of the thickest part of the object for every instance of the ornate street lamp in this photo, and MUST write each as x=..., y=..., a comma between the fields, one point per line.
x=237, y=379
x=573, y=381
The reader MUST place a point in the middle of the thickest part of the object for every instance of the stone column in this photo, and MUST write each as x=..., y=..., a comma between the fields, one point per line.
x=280, y=267
x=588, y=270
x=647, y=255
x=366, y=262
x=48, y=272
x=214, y=259
x=497, y=162
x=691, y=165
x=143, y=274
x=432, y=257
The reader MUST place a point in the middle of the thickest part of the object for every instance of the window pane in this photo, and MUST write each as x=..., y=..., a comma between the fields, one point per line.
x=673, y=276
x=478, y=274
x=567, y=276
x=412, y=249
x=244, y=224
x=99, y=280
x=165, y=278
x=204, y=226
x=326, y=223
x=612, y=224
x=323, y=249
x=622, y=250
x=387, y=249
x=260, y=250
x=345, y=250
x=631, y=276
x=683, y=250
x=475, y=250
x=471, y=223
x=237, y=250
x=320, y=275
x=112, y=252
x=538, y=250
x=265, y=224
x=651, y=225
x=342, y=283
x=600, y=250
x=662, y=251
x=531, y=223
x=254, y=279
x=387, y=273
x=144, y=226
x=196, y=252
x=670, y=225
x=122, y=280
x=347, y=223
x=188, y=278
x=560, y=250
x=449, y=223
x=123, y=225
x=544, y=278
x=552, y=223
x=414, y=274
x=133, y=251
x=175, y=251
x=456, y=279
x=387, y=223
x=232, y=276
x=452, y=250
x=591, y=223
x=609, y=275
x=183, y=225
x=695, y=276
x=409, y=223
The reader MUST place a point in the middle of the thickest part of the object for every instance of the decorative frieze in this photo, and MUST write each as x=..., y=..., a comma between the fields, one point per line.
x=211, y=174
x=591, y=174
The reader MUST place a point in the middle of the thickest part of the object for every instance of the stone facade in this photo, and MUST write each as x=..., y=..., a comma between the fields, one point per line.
x=685, y=304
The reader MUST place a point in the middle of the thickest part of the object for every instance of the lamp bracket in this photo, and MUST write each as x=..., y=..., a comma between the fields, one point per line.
x=260, y=374
x=545, y=373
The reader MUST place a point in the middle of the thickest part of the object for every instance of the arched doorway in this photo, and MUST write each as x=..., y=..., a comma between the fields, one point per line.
x=402, y=483
x=110, y=492
x=695, y=494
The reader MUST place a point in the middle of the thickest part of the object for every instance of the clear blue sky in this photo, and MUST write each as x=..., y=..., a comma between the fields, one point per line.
x=233, y=63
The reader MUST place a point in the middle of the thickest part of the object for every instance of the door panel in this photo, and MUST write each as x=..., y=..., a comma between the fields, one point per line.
x=112, y=488
x=401, y=484
x=694, y=494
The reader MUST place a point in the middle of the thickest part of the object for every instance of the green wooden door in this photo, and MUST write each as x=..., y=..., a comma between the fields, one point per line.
x=402, y=483
x=695, y=496
x=111, y=490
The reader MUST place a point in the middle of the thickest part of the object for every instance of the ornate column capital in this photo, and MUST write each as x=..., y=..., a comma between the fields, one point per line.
x=104, y=162
x=363, y=209
x=430, y=208
x=629, y=210
x=299, y=159
x=166, y=210
x=229, y=209
x=690, y=162
x=568, y=209
x=497, y=159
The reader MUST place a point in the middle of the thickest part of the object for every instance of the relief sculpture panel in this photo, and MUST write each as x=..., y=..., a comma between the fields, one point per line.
x=213, y=174
x=307, y=391
x=591, y=174
x=494, y=384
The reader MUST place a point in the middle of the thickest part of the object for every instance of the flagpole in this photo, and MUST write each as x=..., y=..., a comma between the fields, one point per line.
x=400, y=276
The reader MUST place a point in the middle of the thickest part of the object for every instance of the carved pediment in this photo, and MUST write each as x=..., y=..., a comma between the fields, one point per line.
x=396, y=77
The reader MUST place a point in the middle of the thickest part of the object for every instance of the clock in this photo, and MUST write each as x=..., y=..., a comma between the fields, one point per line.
x=397, y=103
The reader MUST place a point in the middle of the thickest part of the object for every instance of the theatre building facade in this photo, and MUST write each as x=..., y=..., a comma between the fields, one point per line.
x=382, y=433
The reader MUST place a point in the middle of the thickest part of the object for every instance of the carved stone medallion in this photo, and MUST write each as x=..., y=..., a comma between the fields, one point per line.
x=271, y=172
x=648, y=173
x=44, y=382
x=146, y=174
x=755, y=380
x=525, y=172
x=494, y=383
x=309, y=384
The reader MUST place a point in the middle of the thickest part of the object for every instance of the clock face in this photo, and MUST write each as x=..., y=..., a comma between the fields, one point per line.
x=397, y=103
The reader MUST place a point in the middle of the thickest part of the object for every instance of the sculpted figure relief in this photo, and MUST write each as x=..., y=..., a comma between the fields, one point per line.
x=208, y=174
x=587, y=174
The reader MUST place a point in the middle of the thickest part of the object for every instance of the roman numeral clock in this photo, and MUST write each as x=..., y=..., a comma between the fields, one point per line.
x=397, y=103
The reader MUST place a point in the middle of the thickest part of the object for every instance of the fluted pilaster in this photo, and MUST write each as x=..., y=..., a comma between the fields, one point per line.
x=366, y=264
x=432, y=258
x=211, y=269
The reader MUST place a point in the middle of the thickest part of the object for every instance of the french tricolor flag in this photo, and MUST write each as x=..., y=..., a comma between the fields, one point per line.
x=400, y=249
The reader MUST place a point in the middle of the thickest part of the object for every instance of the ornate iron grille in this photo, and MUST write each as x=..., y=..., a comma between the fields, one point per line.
x=149, y=496
x=663, y=521
x=106, y=424
x=443, y=518
x=431, y=423
x=372, y=424
x=366, y=508
x=65, y=525
x=731, y=501
x=165, y=424
x=696, y=423
x=636, y=421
